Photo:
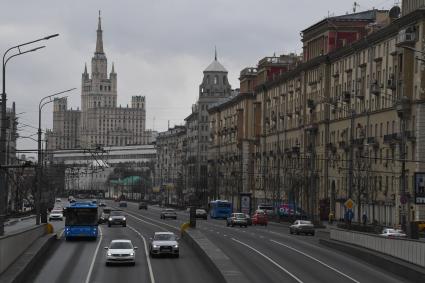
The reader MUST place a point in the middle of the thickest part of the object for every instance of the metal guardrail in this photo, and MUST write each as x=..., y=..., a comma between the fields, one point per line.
x=409, y=250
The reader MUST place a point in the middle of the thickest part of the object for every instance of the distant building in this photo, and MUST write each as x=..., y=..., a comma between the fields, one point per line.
x=100, y=122
x=214, y=87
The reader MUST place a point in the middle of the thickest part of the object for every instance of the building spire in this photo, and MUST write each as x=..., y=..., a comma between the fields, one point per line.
x=85, y=68
x=215, y=53
x=113, y=69
x=99, y=40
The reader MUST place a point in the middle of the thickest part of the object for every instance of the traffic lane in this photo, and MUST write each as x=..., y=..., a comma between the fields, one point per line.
x=120, y=273
x=187, y=268
x=308, y=247
x=247, y=261
x=253, y=265
x=68, y=261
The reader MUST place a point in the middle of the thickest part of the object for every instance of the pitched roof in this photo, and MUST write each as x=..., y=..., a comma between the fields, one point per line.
x=215, y=66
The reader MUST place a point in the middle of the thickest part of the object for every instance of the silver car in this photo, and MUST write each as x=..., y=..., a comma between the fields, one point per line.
x=56, y=214
x=120, y=251
x=168, y=213
x=164, y=243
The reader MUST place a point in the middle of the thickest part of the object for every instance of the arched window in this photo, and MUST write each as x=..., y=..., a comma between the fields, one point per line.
x=208, y=79
x=101, y=87
x=224, y=80
x=215, y=80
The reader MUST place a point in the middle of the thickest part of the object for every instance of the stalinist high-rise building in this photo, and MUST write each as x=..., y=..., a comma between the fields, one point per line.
x=100, y=122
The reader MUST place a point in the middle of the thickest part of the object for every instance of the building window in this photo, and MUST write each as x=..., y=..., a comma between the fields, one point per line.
x=215, y=80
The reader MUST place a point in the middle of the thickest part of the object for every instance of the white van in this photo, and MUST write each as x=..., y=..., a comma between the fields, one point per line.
x=268, y=208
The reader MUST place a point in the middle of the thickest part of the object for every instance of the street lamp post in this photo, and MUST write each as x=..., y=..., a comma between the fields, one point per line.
x=41, y=212
x=3, y=175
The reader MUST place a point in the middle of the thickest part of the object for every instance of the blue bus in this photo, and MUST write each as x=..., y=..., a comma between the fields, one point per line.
x=81, y=220
x=220, y=209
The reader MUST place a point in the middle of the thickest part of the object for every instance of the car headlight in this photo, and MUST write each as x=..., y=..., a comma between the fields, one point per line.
x=176, y=246
x=110, y=219
x=124, y=219
x=109, y=254
x=131, y=254
x=155, y=246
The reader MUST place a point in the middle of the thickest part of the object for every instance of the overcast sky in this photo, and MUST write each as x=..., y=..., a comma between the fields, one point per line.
x=159, y=47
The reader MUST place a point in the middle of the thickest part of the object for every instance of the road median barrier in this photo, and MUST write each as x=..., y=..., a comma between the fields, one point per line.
x=215, y=259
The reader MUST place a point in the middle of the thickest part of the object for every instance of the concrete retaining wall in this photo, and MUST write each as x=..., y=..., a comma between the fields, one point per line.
x=14, y=244
x=409, y=250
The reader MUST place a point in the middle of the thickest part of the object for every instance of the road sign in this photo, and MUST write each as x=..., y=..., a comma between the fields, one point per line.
x=349, y=203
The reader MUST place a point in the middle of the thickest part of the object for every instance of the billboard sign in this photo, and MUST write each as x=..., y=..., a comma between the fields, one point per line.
x=420, y=188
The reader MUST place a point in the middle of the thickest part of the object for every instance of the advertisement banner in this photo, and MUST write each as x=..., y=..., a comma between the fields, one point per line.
x=420, y=188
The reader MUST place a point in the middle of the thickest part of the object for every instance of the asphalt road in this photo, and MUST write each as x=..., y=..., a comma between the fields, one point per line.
x=84, y=261
x=271, y=254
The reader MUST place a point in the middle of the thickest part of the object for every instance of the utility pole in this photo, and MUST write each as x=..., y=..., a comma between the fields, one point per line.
x=403, y=110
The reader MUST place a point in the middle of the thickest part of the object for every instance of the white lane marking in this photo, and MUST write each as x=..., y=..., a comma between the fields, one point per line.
x=146, y=254
x=269, y=259
x=317, y=260
x=94, y=256
x=147, y=222
x=162, y=223
x=61, y=234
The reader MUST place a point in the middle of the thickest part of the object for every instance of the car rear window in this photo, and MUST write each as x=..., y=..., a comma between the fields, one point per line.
x=240, y=215
x=305, y=222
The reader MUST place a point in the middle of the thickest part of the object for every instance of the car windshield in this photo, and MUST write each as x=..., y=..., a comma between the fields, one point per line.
x=107, y=210
x=116, y=213
x=200, y=211
x=121, y=245
x=56, y=211
x=240, y=215
x=169, y=210
x=164, y=237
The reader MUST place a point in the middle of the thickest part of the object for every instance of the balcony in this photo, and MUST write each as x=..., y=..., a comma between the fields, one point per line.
x=312, y=128
x=406, y=37
x=358, y=142
x=372, y=142
x=343, y=145
x=375, y=88
x=391, y=138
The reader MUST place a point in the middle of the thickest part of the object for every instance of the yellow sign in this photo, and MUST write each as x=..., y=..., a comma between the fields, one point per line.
x=349, y=203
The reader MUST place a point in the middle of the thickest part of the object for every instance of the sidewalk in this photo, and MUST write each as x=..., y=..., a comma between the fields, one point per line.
x=15, y=224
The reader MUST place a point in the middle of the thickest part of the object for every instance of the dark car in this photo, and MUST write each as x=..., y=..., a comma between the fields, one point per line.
x=117, y=217
x=143, y=205
x=302, y=226
x=201, y=213
x=237, y=219
x=122, y=204
x=104, y=216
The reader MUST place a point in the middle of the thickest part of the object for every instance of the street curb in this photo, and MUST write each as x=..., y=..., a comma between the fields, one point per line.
x=388, y=263
x=21, y=270
x=212, y=256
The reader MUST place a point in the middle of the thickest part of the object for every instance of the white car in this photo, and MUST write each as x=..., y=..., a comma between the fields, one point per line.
x=56, y=214
x=164, y=243
x=121, y=251
x=393, y=233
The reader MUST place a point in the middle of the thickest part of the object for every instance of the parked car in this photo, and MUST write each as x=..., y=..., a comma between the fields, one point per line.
x=121, y=251
x=143, y=205
x=393, y=233
x=164, y=243
x=201, y=213
x=237, y=219
x=117, y=217
x=56, y=214
x=248, y=219
x=267, y=208
x=123, y=204
x=260, y=218
x=302, y=226
x=168, y=213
